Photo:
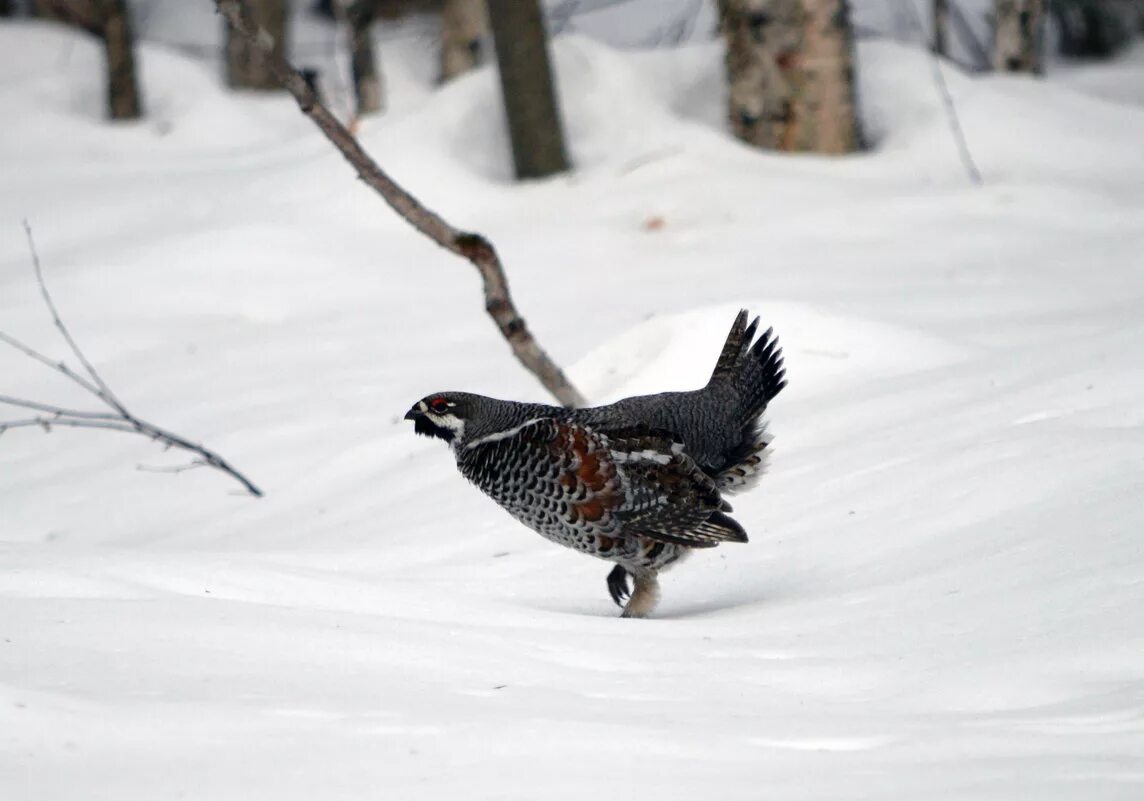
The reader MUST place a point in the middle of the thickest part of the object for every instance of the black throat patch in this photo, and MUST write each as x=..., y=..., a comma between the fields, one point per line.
x=426, y=427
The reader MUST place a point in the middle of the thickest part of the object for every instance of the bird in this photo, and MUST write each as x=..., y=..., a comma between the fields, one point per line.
x=639, y=482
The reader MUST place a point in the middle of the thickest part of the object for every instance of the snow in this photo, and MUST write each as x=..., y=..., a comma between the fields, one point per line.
x=942, y=597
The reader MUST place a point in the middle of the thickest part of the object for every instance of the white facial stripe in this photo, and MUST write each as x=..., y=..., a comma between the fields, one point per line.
x=449, y=421
x=499, y=435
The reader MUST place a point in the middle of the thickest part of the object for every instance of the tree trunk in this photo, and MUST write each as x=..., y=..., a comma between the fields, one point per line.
x=464, y=26
x=526, y=83
x=1018, y=37
x=245, y=66
x=123, y=101
x=363, y=63
x=1096, y=28
x=110, y=20
x=790, y=74
x=5, y=8
x=81, y=13
x=941, y=27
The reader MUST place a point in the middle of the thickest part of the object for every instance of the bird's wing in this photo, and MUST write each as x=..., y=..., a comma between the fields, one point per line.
x=634, y=479
x=669, y=498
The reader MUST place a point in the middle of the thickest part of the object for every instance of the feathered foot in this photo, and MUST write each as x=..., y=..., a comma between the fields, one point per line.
x=645, y=596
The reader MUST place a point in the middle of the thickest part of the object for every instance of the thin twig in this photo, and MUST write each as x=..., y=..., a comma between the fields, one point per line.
x=471, y=246
x=44, y=407
x=121, y=420
x=955, y=124
x=105, y=392
x=178, y=468
x=947, y=100
x=27, y=350
x=46, y=423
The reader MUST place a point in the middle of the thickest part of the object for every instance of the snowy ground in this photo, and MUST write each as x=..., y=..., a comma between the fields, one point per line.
x=944, y=593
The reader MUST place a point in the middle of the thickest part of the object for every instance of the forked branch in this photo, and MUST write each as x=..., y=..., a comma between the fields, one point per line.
x=471, y=246
x=118, y=419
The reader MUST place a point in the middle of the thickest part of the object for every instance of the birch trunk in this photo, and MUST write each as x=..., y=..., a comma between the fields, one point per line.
x=790, y=74
x=1017, y=41
x=464, y=28
x=246, y=67
x=526, y=83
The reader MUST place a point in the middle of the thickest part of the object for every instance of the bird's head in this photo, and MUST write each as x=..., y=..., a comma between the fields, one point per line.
x=442, y=415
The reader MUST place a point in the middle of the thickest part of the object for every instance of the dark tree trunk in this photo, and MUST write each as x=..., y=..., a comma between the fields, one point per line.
x=526, y=82
x=5, y=8
x=464, y=26
x=941, y=27
x=123, y=101
x=245, y=66
x=1096, y=28
x=790, y=71
x=1018, y=36
x=363, y=62
x=110, y=20
x=80, y=13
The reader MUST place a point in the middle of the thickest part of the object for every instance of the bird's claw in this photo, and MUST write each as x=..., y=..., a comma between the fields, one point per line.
x=618, y=585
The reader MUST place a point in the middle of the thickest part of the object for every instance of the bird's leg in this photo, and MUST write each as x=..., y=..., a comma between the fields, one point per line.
x=618, y=585
x=645, y=596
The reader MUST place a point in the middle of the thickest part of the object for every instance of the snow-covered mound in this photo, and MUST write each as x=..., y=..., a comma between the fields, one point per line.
x=942, y=597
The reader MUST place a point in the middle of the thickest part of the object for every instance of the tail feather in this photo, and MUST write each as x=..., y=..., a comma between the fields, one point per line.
x=733, y=347
x=764, y=375
x=718, y=528
x=754, y=367
x=748, y=375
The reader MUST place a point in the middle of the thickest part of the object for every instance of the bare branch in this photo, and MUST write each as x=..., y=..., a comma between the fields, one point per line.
x=178, y=468
x=120, y=420
x=104, y=392
x=46, y=423
x=44, y=407
x=967, y=161
x=173, y=440
x=471, y=246
x=59, y=366
x=955, y=124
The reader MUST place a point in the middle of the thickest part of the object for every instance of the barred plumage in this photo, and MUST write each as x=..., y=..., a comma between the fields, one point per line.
x=638, y=482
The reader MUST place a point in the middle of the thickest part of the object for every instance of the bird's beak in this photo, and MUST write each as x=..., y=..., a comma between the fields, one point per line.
x=418, y=410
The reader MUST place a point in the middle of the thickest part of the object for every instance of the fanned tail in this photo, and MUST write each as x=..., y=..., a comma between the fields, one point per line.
x=738, y=340
x=748, y=375
x=754, y=368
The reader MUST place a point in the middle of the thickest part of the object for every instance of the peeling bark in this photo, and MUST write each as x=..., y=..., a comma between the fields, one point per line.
x=1019, y=36
x=464, y=29
x=790, y=74
x=246, y=65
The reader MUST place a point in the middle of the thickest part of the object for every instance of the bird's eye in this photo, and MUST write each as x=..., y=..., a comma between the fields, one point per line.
x=439, y=405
